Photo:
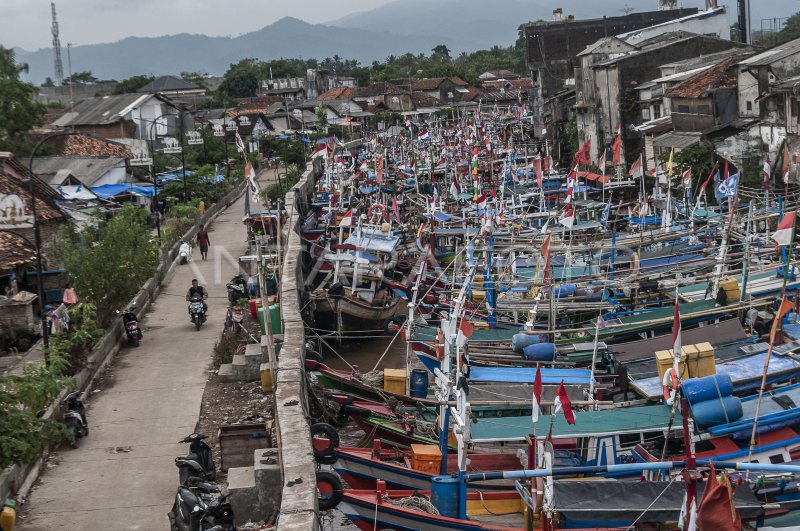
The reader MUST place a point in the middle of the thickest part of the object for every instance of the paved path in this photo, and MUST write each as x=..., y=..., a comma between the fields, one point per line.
x=123, y=476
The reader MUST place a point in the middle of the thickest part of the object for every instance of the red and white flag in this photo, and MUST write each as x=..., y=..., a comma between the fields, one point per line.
x=602, y=163
x=455, y=188
x=567, y=217
x=687, y=179
x=636, y=171
x=562, y=403
x=395, y=209
x=545, y=250
x=482, y=201
x=570, y=187
x=616, y=147
x=539, y=171
x=249, y=172
x=537, y=394
x=347, y=219
x=783, y=236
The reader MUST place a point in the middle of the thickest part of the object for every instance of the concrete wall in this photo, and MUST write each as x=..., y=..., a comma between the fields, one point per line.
x=17, y=480
x=299, y=495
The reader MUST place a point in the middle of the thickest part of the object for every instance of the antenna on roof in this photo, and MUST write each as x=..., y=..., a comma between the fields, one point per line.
x=58, y=66
x=627, y=9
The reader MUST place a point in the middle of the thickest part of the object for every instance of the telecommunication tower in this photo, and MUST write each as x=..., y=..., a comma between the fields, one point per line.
x=58, y=67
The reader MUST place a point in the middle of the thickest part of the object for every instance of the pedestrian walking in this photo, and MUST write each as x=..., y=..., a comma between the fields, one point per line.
x=69, y=297
x=203, y=242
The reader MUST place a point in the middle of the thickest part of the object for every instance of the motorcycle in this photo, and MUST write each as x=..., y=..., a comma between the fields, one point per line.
x=237, y=289
x=199, y=506
x=132, y=329
x=199, y=463
x=185, y=252
x=197, y=312
x=75, y=417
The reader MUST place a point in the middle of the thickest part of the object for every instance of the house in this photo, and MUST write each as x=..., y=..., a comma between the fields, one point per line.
x=86, y=171
x=497, y=75
x=337, y=93
x=125, y=116
x=395, y=98
x=782, y=105
x=424, y=103
x=444, y=89
x=606, y=83
x=172, y=87
x=17, y=253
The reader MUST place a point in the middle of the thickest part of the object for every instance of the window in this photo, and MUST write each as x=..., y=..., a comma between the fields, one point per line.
x=704, y=109
x=627, y=440
x=656, y=112
x=645, y=114
x=776, y=459
x=749, y=105
x=683, y=108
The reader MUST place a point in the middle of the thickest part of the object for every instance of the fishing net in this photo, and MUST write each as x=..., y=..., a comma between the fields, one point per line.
x=415, y=501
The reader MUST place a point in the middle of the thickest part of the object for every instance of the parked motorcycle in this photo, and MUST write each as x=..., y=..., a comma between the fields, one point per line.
x=197, y=312
x=237, y=289
x=199, y=506
x=132, y=329
x=199, y=463
x=75, y=417
x=185, y=252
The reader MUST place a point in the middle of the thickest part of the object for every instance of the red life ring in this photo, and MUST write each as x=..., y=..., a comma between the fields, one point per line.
x=377, y=213
x=669, y=385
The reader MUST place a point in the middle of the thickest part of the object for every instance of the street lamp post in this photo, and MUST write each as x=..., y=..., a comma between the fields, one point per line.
x=37, y=238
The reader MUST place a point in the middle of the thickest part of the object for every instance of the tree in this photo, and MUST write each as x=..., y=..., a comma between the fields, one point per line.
x=241, y=79
x=441, y=52
x=132, y=84
x=108, y=264
x=48, y=82
x=322, y=118
x=792, y=28
x=18, y=110
x=80, y=78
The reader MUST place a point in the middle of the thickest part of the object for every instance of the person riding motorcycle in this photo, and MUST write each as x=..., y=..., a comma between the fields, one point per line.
x=197, y=291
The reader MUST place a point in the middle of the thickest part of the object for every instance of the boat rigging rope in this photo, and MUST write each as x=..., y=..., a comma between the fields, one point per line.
x=415, y=501
x=633, y=524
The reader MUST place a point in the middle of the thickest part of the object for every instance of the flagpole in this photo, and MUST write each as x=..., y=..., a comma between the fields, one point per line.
x=775, y=326
x=594, y=358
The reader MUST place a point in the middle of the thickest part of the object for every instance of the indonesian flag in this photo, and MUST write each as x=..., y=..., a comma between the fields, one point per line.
x=408, y=122
x=425, y=134
x=567, y=217
x=636, y=171
x=708, y=179
x=482, y=201
x=602, y=163
x=570, y=190
x=583, y=156
x=249, y=172
x=379, y=170
x=687, y=179
x=767, y=173
x=783, y=236
x=395, y=209
x=455, y=188
x=562, y=403
x=616, y=148
x=537, y=394
x=347, y=220
x=676, y=335
x=786, y=305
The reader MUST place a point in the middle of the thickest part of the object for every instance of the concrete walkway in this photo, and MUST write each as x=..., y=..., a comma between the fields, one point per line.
x=123, y=476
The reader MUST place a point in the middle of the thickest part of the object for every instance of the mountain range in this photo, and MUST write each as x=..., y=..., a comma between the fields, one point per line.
x=395, y=28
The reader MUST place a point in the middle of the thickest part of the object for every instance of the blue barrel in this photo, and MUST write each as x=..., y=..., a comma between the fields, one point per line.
x=717, y=411
x=698, y=390
x=419, y=383
x=564, y=290
x=540, y=352
x=444, y=495
x=520, y=341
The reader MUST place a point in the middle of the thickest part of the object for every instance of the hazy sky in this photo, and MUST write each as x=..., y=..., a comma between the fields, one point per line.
x=26, y=23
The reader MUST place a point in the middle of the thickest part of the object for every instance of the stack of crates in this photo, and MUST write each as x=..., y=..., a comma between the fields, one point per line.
x=394, y=381
x=665, y=361
x=700, y=360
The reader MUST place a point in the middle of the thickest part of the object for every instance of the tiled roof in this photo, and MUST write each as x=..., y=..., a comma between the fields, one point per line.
x=14, y=178
x=423, y=99
x=457, y=81
x=86, y=146
x=720, y=76
x=508, y=95
x=379, y=89
x=431, y=83
x=168, y=84
x=471, y=94
x=337, y=93
x=14, y=251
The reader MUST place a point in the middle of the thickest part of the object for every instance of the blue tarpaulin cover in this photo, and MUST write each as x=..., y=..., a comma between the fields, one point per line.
x=527, y=374
x=112, y=190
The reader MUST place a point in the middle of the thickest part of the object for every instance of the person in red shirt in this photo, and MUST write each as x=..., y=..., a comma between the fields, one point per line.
x=203, y=242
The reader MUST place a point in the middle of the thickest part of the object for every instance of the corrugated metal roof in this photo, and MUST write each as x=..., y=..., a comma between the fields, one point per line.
x=782, y=51
x=720, y=76
x=87, y=169
x=676, y=140
x=102, y=110
x=168, y=84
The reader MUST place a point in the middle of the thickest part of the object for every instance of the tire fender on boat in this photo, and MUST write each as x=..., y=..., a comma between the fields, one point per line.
x=324, y=440
x=329, y=490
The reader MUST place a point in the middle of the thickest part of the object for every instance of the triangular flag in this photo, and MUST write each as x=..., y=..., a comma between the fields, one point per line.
x=537, y=394
x=786, y=305
x=562, y=403
x=783, y=236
